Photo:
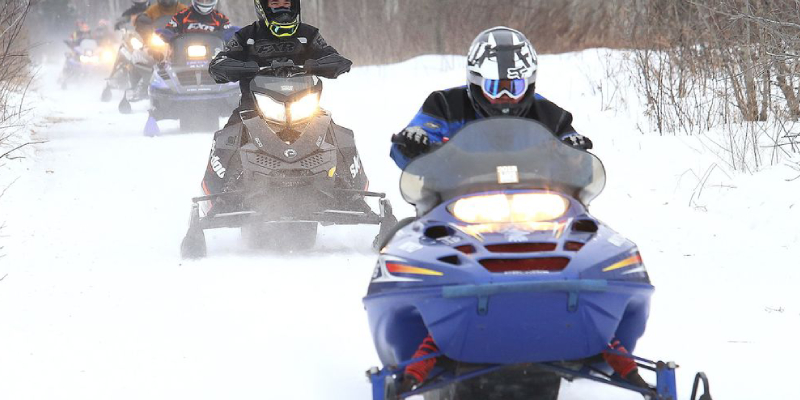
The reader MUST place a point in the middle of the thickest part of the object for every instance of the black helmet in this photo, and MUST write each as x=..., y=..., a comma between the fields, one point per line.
x=501, y=73
x=282, y=22
x=167, y=3
x=204, y=6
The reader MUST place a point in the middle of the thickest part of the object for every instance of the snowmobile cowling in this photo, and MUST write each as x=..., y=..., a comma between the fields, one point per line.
x=507, y=271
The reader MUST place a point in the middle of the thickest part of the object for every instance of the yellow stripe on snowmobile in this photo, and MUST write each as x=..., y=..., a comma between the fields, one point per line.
x=632, y=260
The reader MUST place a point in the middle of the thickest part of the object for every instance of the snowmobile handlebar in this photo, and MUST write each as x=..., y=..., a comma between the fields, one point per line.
x=282, y=68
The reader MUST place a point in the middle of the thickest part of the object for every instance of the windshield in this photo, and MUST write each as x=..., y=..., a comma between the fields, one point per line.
x=501, y=154
x=285, y=86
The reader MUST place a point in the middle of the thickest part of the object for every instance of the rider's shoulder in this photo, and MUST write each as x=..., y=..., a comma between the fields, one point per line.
x=544, y=103
x=307, y=31
x=250, y=31
x=219, y=15
x=183, y=12
x=454, y=95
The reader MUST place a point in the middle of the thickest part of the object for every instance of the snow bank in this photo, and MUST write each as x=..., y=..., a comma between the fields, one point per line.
x=97, y=303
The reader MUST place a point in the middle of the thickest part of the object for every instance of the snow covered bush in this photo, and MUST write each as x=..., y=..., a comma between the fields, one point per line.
x=726, y=69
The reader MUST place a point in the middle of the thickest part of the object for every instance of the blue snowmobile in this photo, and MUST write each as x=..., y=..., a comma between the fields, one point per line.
x=505, y=269
x=181, y=88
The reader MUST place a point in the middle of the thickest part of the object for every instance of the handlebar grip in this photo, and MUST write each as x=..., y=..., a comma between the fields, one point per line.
x=397, y=139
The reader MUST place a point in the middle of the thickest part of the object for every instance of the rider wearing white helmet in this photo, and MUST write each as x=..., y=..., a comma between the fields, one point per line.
x=501, y=80
x=201, y=17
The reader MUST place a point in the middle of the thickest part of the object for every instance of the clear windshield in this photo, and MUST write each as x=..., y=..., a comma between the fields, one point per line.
x=501, y=154
x=285, y=86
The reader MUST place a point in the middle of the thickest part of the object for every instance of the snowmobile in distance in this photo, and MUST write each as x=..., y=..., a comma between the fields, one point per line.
x=132, y=68
x=182, y=88
x=517, y=284
x=298, y=170
x=84, y=60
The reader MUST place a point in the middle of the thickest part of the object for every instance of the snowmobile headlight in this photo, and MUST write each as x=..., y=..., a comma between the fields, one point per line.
x=197, y=51
x=271, y=109
x=157, y=42
x=136, y=43
x=522, y=207
x=305, y=107
x=108, y=57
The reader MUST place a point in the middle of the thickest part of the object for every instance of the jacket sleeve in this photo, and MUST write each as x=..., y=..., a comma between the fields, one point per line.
x=225, y=22
x=564, y=125
x=432, y=119
x=324, y=60
x=174, y=25
x=231, y=64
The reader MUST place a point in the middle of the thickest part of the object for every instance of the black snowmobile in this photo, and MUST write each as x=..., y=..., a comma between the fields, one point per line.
x=287, y=168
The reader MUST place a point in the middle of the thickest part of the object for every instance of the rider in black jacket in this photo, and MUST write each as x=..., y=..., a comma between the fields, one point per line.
x=501, y=69
x=277, y=36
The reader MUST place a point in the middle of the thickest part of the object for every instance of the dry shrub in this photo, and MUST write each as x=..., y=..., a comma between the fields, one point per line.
x=14, y=76
x=728, y=64
x=378, y=32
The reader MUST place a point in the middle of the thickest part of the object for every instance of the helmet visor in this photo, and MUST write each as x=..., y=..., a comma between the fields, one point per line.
x=513, y=88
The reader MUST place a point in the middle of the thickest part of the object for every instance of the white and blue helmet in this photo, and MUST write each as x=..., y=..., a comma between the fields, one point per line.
x=501, y=72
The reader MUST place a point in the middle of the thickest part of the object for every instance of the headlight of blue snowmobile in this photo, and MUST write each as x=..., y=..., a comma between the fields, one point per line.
x=108, y=56
x=197, y=52
x=157, y=42
x=520, y=207
x=271, y=109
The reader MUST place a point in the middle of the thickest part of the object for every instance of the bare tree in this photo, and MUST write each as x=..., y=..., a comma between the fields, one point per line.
x=14, y=77
x=727, y=63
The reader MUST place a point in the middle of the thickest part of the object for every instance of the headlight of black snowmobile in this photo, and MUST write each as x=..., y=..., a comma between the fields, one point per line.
x=271, y=109
x=295, y=111
x=304, y=108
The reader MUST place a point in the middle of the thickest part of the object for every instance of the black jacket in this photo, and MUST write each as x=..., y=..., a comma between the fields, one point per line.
x=191, y=21
x=254, y=46
x=445, y=112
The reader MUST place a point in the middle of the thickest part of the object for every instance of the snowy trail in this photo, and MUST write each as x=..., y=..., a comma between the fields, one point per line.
x=97, y=303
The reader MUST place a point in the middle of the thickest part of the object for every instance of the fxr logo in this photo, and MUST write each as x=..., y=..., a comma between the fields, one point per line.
x=200, y=27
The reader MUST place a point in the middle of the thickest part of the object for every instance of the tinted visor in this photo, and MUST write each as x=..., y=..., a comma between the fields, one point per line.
x=514, y=88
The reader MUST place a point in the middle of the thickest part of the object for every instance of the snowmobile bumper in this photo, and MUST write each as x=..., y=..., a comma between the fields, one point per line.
x=385, y=382
x=325, y=217
x=501, y=322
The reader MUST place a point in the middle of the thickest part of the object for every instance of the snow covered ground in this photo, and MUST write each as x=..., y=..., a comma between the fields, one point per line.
x=97, y=304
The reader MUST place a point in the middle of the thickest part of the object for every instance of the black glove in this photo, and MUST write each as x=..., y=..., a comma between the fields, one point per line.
x=310, y=66
x=577, y=141
x=412, y=141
